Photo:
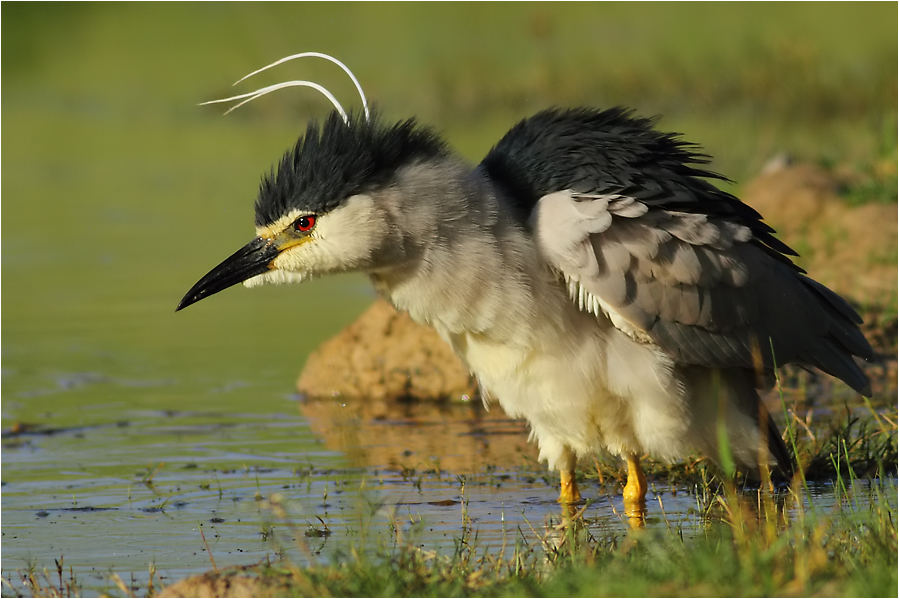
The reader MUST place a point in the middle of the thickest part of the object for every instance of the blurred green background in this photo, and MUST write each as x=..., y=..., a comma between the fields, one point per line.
x=119, y=192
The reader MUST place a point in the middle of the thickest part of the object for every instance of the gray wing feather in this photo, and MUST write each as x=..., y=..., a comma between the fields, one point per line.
x=696, y=286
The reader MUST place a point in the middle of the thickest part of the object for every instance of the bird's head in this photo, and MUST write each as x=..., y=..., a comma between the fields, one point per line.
x=328, y=207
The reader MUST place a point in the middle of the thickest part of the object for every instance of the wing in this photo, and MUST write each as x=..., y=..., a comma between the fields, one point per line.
x=623, y=212
x=699, y=287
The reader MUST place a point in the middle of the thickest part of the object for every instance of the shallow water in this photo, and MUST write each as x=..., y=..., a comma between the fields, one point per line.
x=295, y=478
x=118, y=496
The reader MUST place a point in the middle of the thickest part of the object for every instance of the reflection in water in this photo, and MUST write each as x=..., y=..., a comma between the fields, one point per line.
x=458, y=438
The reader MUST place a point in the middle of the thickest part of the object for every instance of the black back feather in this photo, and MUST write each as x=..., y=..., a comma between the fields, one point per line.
x=330, y=163
x=611, y=151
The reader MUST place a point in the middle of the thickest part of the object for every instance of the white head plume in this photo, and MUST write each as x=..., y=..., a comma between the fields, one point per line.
x=248, y=97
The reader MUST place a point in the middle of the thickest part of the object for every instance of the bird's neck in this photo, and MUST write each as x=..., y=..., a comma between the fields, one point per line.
x=464, y=259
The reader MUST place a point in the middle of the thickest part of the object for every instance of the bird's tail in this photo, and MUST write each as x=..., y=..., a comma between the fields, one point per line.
x=783, y=469
x=726, y=402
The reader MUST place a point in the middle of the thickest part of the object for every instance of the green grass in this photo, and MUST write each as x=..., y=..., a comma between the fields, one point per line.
x=750, y=549
x=851, y=556
x=850, y=552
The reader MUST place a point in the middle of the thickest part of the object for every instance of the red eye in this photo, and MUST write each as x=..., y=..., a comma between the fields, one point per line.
x=304, y=224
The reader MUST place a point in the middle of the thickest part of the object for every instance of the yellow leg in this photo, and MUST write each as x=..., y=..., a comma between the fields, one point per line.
x=570, y=492
x=566, y=465
x=635, y=492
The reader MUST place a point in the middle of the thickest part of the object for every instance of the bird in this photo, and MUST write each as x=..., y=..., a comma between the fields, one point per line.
x=587, y=271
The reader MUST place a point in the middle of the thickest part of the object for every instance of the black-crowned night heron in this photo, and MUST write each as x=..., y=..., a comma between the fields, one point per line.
x=586, y=271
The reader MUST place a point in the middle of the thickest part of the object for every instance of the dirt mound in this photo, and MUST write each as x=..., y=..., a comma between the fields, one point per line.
x=228, y=584
x=851, y=249
x=385, y=355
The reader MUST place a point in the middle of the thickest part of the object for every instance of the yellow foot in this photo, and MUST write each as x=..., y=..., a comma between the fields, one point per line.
x=635, y=493
x=570, y=492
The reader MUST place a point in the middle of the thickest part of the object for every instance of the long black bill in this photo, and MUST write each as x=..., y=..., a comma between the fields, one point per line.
x=250, y=260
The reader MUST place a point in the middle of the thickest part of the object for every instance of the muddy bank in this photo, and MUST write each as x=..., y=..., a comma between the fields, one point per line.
x=385, y=356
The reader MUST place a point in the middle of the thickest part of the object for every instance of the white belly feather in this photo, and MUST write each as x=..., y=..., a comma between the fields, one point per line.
x=580, y=382
x=599, y=390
